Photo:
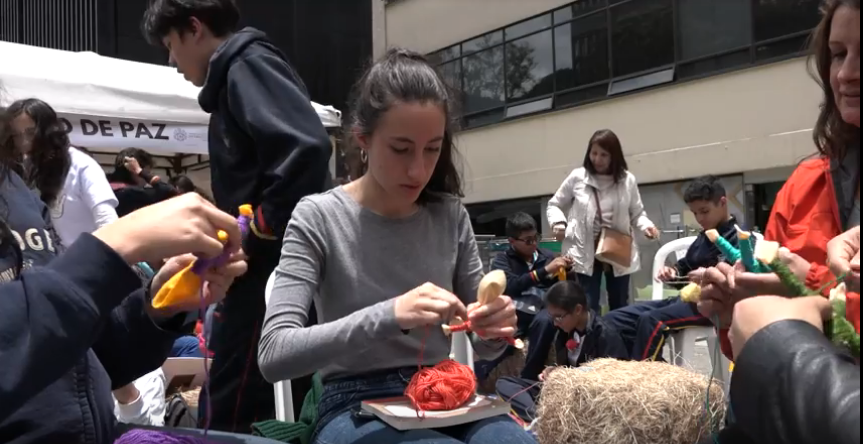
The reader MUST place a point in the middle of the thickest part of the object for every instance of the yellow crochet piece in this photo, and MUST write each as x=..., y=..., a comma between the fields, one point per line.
x=691, y=293
x=561, y=275
x=184, y=287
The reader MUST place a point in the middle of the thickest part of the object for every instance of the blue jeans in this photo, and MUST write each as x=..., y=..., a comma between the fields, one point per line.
x=617, y=287
x=339, y=423
x=186, y=347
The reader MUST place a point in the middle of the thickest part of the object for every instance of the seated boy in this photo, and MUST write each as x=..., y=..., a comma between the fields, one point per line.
x=583, y=336
x=530, y=271
x=644, y=326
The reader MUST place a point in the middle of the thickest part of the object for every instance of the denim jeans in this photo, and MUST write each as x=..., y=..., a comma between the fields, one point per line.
x=617, y=288
x=186, y=347
x=339, y=424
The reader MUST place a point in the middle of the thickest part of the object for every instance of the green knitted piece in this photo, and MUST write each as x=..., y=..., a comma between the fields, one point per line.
x=790, y=280
x=299, y=432
x=841, y=331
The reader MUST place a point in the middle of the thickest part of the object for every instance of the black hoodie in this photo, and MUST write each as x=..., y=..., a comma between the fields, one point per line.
x=68, y=333
x=268, y=147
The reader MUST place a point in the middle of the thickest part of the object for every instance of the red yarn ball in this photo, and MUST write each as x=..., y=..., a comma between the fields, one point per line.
x=446, y=386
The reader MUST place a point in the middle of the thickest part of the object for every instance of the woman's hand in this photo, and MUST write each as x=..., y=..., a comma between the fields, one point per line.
x=667, y=274
x=496, y=319
x=724, y=286
x=559, y=231
x=752, y=315
x=184, y=224
x=651, y=233
x=427, y=304
x=131, y=164
x=216, y=282
x=843, y=257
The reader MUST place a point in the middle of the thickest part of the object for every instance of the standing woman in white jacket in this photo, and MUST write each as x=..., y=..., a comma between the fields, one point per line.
x=600, y=194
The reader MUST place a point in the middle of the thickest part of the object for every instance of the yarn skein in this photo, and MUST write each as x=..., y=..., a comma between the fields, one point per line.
x=141, y=436
x=446, y=386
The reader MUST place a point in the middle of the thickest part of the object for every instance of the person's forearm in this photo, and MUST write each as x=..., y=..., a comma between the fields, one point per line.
x=791, y=385
x=288, y=350
x=44, y=314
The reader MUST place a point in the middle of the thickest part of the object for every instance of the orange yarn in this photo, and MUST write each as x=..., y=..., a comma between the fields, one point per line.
x=446, y=386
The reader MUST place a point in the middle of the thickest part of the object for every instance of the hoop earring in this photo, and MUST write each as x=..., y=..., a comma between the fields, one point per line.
x=364, y=156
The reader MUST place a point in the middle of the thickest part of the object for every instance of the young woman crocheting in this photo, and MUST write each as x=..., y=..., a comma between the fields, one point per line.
x=386, y=259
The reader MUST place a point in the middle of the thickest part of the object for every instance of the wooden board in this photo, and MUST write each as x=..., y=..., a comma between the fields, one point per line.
x=399, y=414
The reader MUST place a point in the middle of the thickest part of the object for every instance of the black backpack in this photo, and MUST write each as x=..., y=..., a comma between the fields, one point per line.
x=178, y=414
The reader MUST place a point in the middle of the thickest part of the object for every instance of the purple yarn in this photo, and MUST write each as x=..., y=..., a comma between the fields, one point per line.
x=141, y=436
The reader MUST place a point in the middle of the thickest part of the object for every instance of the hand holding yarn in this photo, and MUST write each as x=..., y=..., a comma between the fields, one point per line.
x=496, y=319
x=216, y=280
x=425, y=305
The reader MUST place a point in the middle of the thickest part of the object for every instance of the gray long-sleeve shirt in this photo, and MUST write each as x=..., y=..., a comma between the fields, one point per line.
x=354, y=263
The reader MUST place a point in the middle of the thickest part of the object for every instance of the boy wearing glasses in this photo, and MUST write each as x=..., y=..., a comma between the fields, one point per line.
x=581, y=336
x=530, y=271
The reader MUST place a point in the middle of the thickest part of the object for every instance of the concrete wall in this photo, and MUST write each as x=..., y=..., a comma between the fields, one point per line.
x=748, y=120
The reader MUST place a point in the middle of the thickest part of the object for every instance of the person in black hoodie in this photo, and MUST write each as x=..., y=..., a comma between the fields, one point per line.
x=268, y=148
x=645, y=325
x=77, y=324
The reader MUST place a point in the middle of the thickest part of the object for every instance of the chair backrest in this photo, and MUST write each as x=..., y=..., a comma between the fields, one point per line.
x=269, y=288
x=677, y=247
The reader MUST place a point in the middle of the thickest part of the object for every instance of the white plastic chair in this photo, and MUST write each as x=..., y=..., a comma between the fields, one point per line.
x=462, y=352
x=284, y=396
x=682, y=342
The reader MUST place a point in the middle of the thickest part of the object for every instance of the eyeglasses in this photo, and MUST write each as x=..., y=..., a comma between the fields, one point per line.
x=533, y=240
x=559, y=318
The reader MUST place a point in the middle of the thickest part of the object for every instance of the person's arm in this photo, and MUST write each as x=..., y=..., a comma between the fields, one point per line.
x=466, y=282
x=97, y=195
x=158, y=189
x=516, y=284
x=560, y=204
x=132, y=344
x=791, y=385
x=147, y=407
x=45, y=313
x=637, y=213
x=270, y=103
x=288, y=349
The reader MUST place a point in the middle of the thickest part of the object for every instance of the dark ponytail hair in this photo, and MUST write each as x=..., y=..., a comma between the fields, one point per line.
x=50, y=158
x=403, y=76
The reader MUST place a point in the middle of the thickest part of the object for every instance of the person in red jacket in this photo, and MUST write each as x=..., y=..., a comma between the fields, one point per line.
x=821, y=199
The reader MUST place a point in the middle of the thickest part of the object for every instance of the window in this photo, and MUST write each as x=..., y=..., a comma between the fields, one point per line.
x=590, y=50
x=483, y=80
x=778, y=18
x=581, y=52
x=578, y=9
x=529, y=67
x=642, y=36
x=708, y=27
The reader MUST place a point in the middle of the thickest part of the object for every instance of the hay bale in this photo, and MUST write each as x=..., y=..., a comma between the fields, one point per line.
x=616, y=402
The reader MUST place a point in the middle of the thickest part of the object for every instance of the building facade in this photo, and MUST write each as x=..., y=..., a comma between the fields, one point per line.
x=692, y=87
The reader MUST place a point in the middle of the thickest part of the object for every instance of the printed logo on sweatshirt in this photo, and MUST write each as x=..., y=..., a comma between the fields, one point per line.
x=32, y=241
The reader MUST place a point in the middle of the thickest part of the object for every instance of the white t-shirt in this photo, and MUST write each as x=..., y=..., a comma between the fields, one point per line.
x=87, y=201
x=149, y=408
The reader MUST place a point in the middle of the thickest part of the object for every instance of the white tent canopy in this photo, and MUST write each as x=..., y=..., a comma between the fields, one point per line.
x=109, y=104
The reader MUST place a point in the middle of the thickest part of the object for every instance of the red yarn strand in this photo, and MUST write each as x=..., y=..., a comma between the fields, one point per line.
x=446, y=386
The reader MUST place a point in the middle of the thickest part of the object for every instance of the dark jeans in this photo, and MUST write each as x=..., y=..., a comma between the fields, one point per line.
x=522, y=394
x=338, y=423
x=212, y=436
x=186, y=347
x=616, y=287
x=240, y=395
x=645, y=325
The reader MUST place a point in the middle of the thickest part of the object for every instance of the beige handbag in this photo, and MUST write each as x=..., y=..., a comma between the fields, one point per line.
x=613, y=247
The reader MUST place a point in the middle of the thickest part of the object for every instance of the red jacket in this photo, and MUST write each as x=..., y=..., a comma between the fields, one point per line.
x=805, y=218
